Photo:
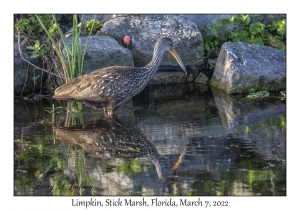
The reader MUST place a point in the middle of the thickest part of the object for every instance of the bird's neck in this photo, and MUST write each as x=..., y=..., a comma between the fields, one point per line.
x=152, y=67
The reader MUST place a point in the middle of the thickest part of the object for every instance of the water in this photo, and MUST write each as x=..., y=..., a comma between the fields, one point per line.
x=168, y=140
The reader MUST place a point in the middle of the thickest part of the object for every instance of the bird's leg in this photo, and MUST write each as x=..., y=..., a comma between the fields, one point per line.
x=108, y=111
x=105, y=112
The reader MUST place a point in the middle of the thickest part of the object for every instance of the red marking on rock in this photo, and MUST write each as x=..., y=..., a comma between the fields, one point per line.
x=127, y=40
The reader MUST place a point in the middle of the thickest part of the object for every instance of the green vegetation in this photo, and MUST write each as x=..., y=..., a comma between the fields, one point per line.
x=42, y=35
x=244, y=30
x=29, y=26
x=259, y=94
x=93, y=25
x=34, y=37
x=192, y=192
x=40, y=160
x=39, y=50
x=72, y=61
x=74, y=115
x=130, y=166
x=30, y=34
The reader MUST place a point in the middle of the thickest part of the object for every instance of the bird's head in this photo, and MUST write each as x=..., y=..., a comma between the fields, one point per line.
x=167, y=44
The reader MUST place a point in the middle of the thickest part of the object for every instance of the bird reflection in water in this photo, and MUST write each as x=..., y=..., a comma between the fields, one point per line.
x=111, y=140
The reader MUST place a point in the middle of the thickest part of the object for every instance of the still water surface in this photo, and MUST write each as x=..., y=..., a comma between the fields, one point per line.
x=168, y=140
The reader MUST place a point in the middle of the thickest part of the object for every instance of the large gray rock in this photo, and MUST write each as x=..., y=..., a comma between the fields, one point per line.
x=24, y=72
x=241, y=67
x=147, y=29
x=101, y=17
x=171, y=77
x=205, y=19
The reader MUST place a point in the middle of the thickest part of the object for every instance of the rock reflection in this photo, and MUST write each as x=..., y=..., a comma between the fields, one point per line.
x=111, y=139
x=236, y=110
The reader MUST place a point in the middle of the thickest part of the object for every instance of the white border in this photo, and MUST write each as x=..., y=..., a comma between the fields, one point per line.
x=153, y=6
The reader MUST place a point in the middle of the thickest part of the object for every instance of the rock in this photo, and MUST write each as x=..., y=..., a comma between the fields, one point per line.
x=24, y=72
x=212, y=62
x=202, y=87
x=206, y=20
x=242, y=66
x=145, y=30
x=171, y=77
x=65, y=21
x=101, y=17
x=103, y=51
x=202, y=79
x=266, y=18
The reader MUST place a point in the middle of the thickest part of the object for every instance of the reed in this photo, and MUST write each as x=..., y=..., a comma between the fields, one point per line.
x=72, y=59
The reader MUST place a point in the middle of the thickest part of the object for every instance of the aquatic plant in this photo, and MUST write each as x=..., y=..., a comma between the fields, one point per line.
x=130, y=166
x=258, y=94
x=74, y=114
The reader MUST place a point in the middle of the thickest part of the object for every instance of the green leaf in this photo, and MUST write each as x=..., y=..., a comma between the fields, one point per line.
x=237, y=39
x=233, y=35
x=236, y=19
x=30, y=48
x=34, y=55
x=225, y=21
x=44, y=56
x=246, y=19
x=218, y=24
x=273, y=25
x=281, y=48
x=259, y=41
x=224, y=38
x=37, y=42
x=242, y=33
x=256, y=28
x=217, y=43
x=214, y=31
x=281, y=23
x=281, y=31
x=203, y=32
x=206, y=45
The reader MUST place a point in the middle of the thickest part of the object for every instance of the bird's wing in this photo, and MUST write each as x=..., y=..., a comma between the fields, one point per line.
x=111, y=85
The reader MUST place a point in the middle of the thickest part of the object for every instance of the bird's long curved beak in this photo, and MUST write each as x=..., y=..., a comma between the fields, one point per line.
x=178, y=59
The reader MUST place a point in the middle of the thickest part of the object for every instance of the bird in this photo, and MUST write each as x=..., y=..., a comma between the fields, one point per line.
x=110, y=87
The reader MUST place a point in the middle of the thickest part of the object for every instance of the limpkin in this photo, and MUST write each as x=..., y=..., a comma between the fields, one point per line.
x=112, y=86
